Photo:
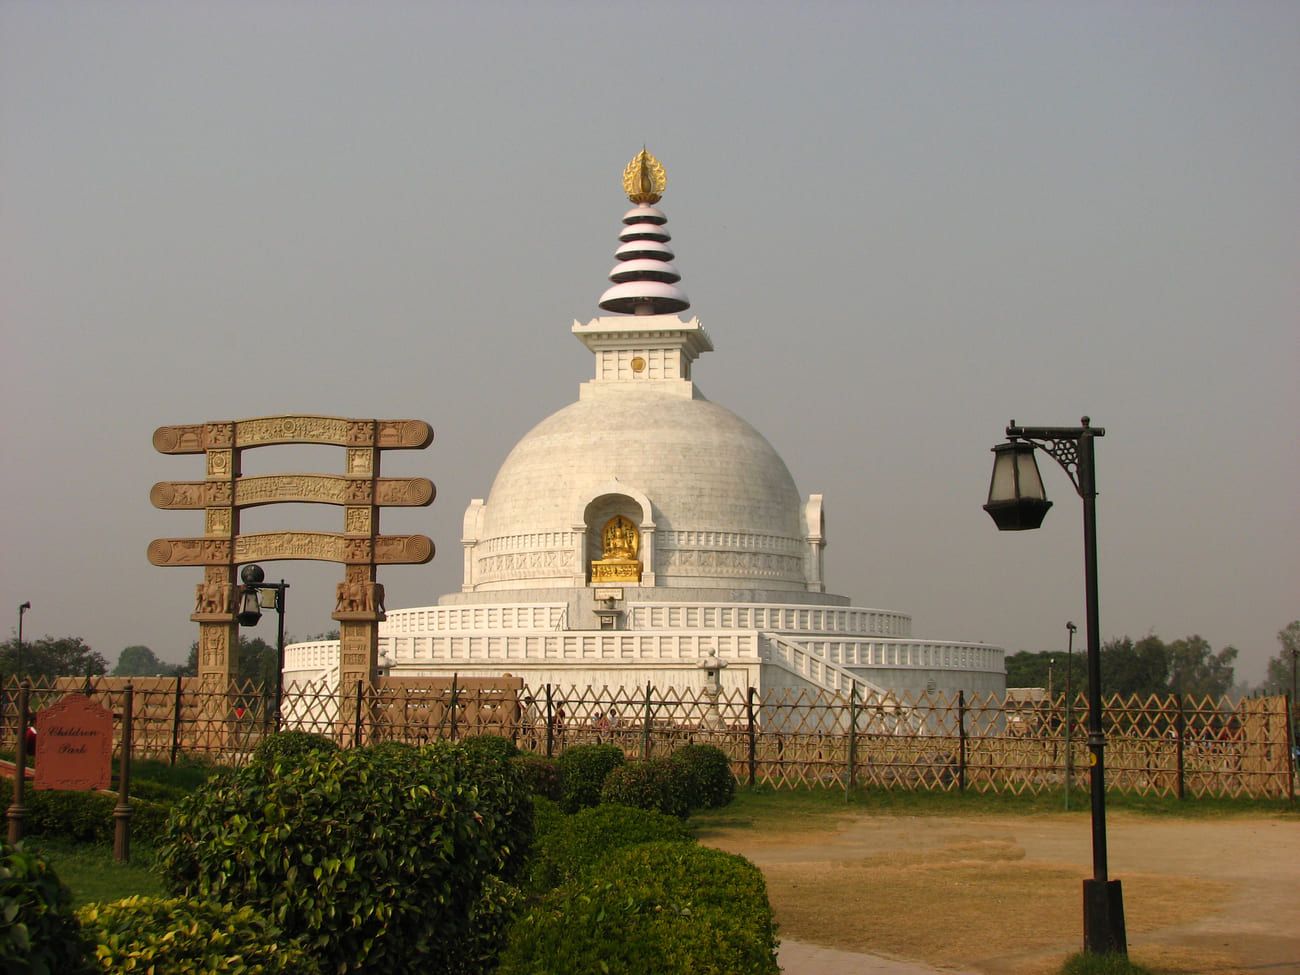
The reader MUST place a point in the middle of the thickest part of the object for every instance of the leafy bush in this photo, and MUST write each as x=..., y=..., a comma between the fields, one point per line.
x=490, y=918
x=494, y=745
x=582, y=772
x=40, y=934
x=287, y=747
x=547, y=816
x=652, y=909
x=709, y=782
x=657, y=783
x=196, y=937
x=579, y=842
x=541, y=774
x=377, y=857
x=149, y=821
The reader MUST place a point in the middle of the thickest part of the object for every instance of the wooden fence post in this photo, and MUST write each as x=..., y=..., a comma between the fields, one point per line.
x=452, y=708
x=753, y=740
x=1291, y=757
x=18, y=810
x=1180, y=729
x=550, y=724
x=122, y=811
x=961, y=741
x=645, y=729
x=851, y=780
x=176, y=720
x=356, y=724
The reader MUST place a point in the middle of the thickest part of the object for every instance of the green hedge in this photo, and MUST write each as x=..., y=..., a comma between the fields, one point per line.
x=582, y=772
x=542, y=775
x=182, y=935
x=547, y=816
x=577, y=843
x=87, y=817
x=494, y=745
x=709, y=782
x=378, y=857
x=40, y=934
x=657, y=783
x=287, y=747
x=652, y=909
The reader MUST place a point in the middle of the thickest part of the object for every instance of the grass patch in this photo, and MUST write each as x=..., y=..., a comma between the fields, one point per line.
x=1084, y=964
x=92, y=875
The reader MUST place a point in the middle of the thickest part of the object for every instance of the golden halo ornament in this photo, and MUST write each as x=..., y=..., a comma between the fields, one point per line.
x=644, y=180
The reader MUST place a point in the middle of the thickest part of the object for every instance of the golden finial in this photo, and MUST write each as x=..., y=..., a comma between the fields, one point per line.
x=644, y=180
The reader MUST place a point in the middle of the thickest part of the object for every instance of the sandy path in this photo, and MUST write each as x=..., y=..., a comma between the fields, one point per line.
x=1000, y=894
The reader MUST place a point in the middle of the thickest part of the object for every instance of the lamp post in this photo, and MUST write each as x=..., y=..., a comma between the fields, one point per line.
x=1069, y=714
x=256, y=595
x=1017, y=502
x=22, y=608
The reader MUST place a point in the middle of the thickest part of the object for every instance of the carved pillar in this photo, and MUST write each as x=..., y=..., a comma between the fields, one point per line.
x=360, y=604
x=214, y=604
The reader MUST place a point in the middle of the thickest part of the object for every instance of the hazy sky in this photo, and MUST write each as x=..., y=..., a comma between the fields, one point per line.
x=903, y=224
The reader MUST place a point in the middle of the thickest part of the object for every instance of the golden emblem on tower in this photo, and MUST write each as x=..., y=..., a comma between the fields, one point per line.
x=644, y=179
x=620, y=543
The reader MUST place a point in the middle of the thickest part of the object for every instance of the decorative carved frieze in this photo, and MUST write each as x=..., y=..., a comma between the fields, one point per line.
x=219, y=463
x=361, y=461
x=523, y=565
x=409, y=492
x=359, y=601
x=190, y=551
x=327, y=547
x=747, y=564
x=217, y=521
x=356, y=521
x=718, y=540
x=195, y=438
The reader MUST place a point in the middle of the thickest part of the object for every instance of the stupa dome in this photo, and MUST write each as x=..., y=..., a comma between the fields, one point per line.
x=711, y=482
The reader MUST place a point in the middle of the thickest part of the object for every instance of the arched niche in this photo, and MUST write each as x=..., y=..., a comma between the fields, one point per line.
x=611, y=501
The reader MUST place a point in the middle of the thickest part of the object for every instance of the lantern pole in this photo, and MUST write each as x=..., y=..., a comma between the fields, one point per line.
x=1073, y=449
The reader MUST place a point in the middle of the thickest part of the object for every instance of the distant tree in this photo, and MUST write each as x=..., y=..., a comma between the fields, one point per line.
x=137, y=661
x=1278, y=679
x=313, y=638
x=48, y=657
x=257, y=661
x=1029, y=669
x=1135, y=668
x=1195, y=669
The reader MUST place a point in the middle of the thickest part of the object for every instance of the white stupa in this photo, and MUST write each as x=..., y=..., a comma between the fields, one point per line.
x=644, y=534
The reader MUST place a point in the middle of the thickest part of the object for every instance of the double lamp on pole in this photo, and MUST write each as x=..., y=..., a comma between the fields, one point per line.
x=1017, y=502
x=256, y=595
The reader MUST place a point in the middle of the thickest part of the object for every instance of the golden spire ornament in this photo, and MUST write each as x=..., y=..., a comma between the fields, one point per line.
x=644, y=180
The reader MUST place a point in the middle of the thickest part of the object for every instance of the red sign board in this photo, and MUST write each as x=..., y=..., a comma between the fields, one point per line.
x=74, y=742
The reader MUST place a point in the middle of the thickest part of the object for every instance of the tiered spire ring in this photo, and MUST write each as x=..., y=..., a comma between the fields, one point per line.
x=645, y=280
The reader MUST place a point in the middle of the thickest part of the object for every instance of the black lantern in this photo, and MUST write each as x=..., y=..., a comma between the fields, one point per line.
x=250, y=609
x=1017, y=501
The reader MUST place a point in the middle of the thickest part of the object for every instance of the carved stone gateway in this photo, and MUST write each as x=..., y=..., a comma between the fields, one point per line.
x=360, y=491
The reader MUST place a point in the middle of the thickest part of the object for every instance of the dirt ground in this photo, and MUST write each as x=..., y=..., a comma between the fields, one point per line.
x=1001, y=895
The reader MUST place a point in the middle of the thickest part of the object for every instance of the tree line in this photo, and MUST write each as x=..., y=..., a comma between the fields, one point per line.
x=1188, y=666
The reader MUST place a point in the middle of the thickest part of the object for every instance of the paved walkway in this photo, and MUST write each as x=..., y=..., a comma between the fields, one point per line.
x=798, y=958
